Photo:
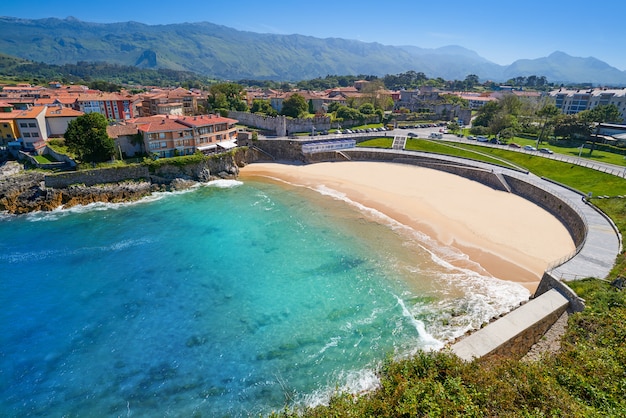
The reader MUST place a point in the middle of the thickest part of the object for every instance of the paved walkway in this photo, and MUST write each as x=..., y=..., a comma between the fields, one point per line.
x=597, y=255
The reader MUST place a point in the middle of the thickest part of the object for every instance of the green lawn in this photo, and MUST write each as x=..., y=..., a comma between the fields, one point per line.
x=580, y=178
x=571, y=148
x=44, y=159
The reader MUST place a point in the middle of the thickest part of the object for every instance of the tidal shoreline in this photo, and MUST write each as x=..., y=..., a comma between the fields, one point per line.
x=510, y=237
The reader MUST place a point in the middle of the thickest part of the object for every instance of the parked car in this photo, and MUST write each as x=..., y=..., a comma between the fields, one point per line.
x=514, y=145
x=482, y=139
x=546, y=151
x=529, y=148
x=412, y=134
x=473, y=138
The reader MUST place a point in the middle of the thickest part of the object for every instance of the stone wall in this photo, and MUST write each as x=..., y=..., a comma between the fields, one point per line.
x=218, y=166
x=281, y=149
x=96, y=176
x=60, y=157
x=548, y=282
x=553, y=204
x=483, y=176
x=281, y=125
x=515, y=333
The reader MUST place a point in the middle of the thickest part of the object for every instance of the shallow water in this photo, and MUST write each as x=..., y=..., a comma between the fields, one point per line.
x=231, y=299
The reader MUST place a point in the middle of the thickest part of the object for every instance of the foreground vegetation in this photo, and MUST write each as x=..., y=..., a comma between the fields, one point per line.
x=587, y=378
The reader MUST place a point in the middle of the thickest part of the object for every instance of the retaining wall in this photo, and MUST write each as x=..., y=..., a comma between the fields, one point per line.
x=96, y=176
x=515, y=333
x=553, y=204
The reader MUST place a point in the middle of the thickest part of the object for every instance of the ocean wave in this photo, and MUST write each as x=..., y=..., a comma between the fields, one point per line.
x=223, y=183
x=428, y=341
x=354, y=382
x=484, y=296
x=21, y=257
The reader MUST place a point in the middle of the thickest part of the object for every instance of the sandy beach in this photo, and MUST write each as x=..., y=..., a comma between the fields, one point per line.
x=510, y=237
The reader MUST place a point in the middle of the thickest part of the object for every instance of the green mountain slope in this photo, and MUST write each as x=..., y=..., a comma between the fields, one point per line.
x=221, y=52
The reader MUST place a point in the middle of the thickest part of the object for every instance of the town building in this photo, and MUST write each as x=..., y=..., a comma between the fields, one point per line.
x=113, y=106
x=178, y=101
x=169, y=136
x=31, y=125
x=8, y=127
x=58, y=118
x=571, y=102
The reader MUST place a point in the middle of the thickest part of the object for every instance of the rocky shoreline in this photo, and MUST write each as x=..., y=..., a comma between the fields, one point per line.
x=23, y=191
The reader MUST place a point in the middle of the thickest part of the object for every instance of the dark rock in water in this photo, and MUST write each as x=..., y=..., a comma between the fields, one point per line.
x=195, y=341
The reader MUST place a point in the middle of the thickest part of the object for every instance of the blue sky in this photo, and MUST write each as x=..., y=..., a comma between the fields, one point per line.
x=500, y=31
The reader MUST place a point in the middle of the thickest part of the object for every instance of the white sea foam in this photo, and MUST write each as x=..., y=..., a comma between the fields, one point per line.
x=332, y=343
x=353, y=382
x=428, y=341
x=485, y=297
x=48, y=254
x=224, y=183
x=59, y=212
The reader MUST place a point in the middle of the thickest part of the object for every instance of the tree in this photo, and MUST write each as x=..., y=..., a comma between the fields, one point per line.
x=470, y=81
x=348, y=113
x=367, y=108
x=600, y=114
x=294, y=106
x=263, y=106
x=547, y=112
x=486, y=113
x=229, y=96
x=570, y=126
x=86, y=136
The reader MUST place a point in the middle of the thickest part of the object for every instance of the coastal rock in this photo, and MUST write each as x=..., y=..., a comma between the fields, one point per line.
x=27, y=191
x=20, y=193
x=182, y=184
x=10, y=168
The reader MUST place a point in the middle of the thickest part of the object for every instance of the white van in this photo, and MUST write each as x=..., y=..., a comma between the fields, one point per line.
x=435, y=135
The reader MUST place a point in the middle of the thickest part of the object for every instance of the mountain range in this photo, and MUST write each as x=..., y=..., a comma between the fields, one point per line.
x=226, y=53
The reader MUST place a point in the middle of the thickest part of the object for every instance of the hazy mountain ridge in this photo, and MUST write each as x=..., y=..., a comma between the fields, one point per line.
x=227, y=53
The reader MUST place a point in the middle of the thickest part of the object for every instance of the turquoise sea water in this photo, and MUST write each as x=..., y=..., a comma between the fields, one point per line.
x=232, y=299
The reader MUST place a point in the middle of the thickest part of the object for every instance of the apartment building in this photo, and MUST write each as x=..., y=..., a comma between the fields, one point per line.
x=113, y=106
x=573, y=101
x=169, y=136
x=31, y=125
x=170, y=102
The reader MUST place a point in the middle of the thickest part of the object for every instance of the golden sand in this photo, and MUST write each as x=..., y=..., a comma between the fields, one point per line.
x=510, y=237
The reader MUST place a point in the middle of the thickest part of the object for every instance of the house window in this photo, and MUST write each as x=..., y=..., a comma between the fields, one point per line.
x=32, y=125
x=23, y=125
x=161, y=135
x=26, y=135
x=35, y=135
